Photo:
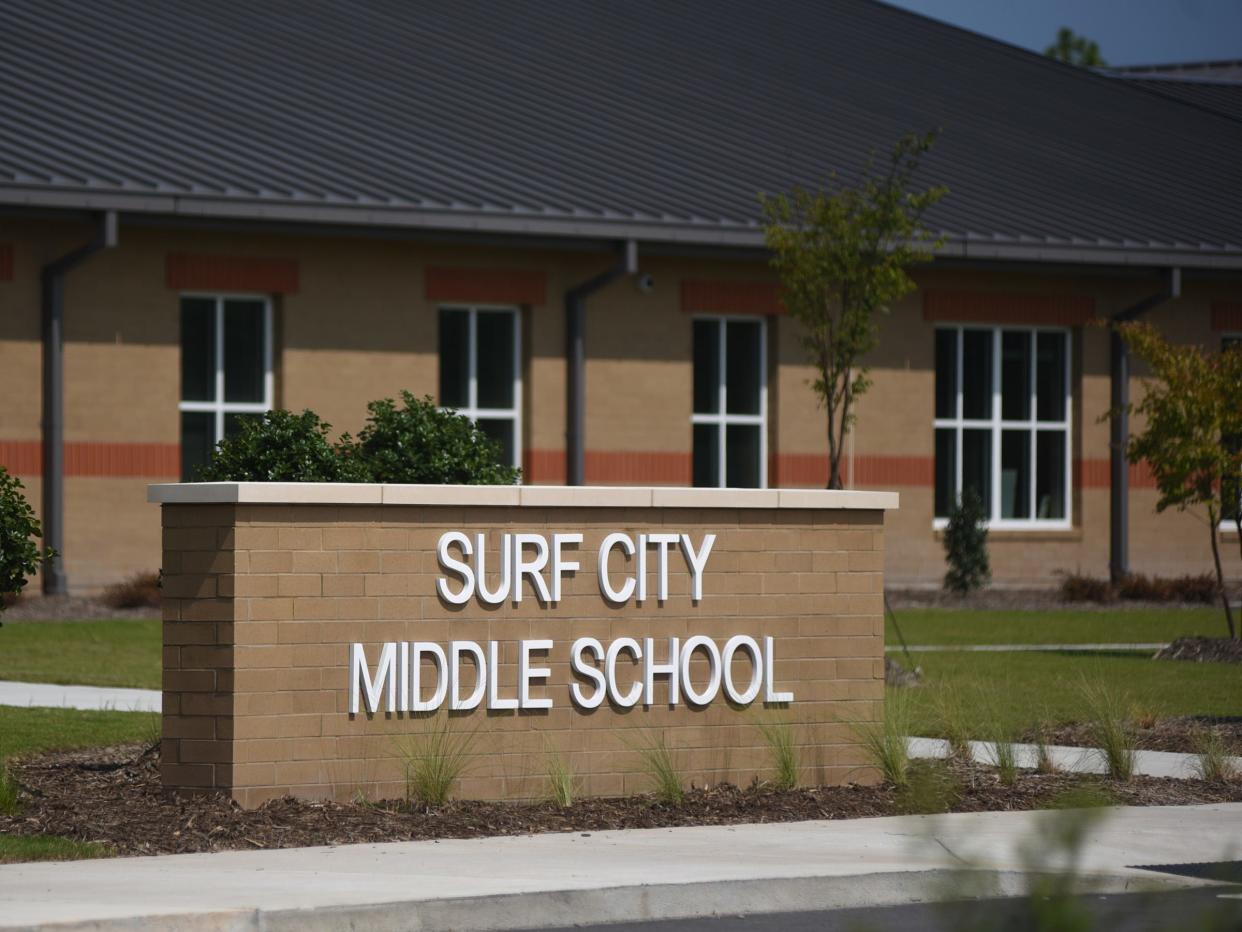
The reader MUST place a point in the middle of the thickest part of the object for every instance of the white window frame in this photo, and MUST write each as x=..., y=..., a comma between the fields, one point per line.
x=472, y=409
x=995, y=424
x=723, y=420
x=219, y=407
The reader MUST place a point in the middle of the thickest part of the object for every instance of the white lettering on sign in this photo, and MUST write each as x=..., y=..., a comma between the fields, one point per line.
x=628, y=675
x=624, y=673
x=532, y=561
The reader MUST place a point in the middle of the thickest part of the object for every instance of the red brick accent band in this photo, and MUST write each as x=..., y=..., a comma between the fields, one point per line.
x=487, y=286
x=1226, y=316
x=980, y=307
x=6, y=262
x=256, y=274
x=1095, y=474
x=99, y=460
x=721, y=296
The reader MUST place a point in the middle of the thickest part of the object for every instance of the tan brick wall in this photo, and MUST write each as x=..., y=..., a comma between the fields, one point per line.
x=360, y=327
x=266, y=599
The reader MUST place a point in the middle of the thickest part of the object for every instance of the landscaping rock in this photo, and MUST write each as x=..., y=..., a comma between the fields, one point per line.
x=897, y=675
x=1203, y=650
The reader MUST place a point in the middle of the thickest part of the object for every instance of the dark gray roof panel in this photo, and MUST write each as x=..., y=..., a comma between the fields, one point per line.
x=1216, y=96
x=569, y=114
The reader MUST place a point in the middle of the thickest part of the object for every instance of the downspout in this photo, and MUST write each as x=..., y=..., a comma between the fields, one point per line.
x=575, y=359
x=1118, y=461
x=52, y=299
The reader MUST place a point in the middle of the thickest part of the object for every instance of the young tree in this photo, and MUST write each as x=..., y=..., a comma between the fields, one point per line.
x=1074, y=49
x=842, y=257
x=1191, y=417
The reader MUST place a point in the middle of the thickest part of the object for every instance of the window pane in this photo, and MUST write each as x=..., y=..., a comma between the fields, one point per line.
x=1050, y=376
x=502, y=432
x=706, y=455
x=494, y=368
x=1050, y=474
x=977, y=465
x=977, y=374
x=198, y=431
x=946, y=470
x=243, y=351
x=455, y=359
x=707, y=367
x=946, y=374
x=198, y=349
x=1016, y=375
x=742, y=456
x=742, y=366
x=1015, y=474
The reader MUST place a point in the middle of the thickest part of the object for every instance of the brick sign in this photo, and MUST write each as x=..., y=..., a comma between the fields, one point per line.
x=314, y=633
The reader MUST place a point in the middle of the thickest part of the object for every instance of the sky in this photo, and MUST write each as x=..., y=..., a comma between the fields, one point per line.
x=1130, y=32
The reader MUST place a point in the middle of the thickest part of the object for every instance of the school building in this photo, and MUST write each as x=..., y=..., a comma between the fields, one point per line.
x=546, y=216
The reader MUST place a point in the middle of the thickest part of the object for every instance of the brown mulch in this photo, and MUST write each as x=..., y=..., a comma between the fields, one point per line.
x=1203, y=650
x=69, y=608
x=113, y=796
x=1161, y=734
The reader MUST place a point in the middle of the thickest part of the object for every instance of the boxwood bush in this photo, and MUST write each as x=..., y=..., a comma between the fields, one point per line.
x=411, y=441
x=279, y=446
x=19, y=529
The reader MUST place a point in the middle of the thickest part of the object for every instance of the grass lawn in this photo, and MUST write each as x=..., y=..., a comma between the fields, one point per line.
x=46, y=848
x=115, y=652
x=1018, y=690
x=1055, y=626
x=26, y=731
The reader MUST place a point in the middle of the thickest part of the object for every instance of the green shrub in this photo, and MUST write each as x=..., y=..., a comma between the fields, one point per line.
x=966, y=546
x=1213, y=756
x=279, y=446
x=19, y=555
x=930, y=787
x=419, y=443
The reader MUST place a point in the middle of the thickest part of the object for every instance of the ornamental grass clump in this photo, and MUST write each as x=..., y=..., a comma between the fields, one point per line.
x=1004, y=754
x=1214, y=761
x=657, y=760
x=1109, y=729
x=779, y=736
x=952, y=719
x=435, y=761
x=8, y=790
x=562, y=784
x=886, y=743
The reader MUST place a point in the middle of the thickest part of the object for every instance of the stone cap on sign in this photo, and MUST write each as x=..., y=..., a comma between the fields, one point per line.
x=531, y=496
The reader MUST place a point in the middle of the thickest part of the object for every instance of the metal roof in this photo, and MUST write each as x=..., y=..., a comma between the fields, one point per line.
x=654, y=119
x=1220, y=96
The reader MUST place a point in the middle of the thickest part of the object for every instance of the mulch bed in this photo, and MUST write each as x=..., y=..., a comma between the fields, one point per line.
x=114, y=796
x=1203, y=650
x=1161, y=734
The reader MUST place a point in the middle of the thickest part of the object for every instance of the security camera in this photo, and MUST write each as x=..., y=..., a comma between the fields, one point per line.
x=644, y=282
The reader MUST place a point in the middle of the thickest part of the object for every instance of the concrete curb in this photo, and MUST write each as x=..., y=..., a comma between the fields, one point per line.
x=568, y=908
x=88, y=698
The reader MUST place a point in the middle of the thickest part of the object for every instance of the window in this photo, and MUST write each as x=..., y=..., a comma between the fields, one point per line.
x=226, y=371
x=1003, y=423
x=480, y=372
x=730, y=403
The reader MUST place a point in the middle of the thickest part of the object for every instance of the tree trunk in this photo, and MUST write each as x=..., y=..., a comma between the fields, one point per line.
x=1220, y=575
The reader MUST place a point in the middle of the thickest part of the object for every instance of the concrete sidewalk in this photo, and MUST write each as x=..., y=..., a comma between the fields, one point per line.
x=1071, y=759
x=587, y=878
x=90, y=698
